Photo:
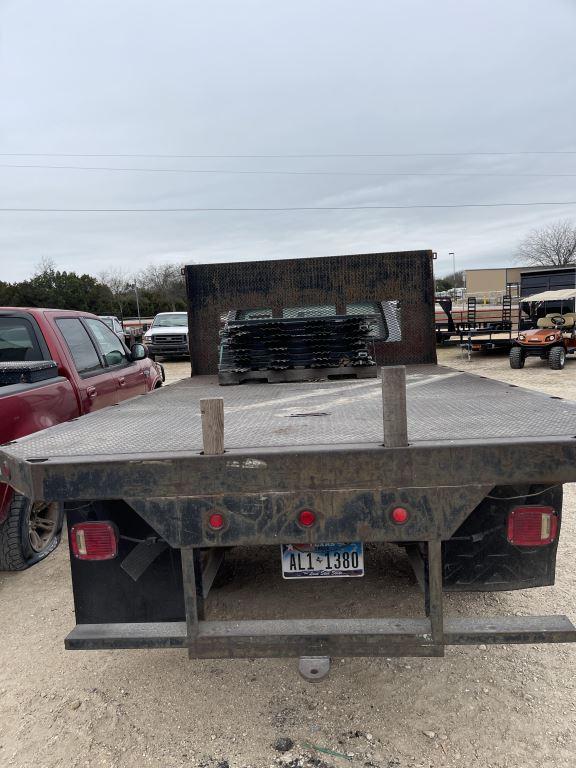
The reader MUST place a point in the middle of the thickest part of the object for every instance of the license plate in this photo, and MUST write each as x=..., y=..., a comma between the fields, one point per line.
x=321, y=561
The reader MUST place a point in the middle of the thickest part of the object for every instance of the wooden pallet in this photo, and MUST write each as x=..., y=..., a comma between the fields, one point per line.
x=299, y=374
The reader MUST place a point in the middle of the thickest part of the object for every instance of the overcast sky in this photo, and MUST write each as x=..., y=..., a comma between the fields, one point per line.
x=305, y=77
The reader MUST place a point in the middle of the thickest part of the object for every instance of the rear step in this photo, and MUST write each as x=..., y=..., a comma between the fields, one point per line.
x=321, y=637
x=332, y=637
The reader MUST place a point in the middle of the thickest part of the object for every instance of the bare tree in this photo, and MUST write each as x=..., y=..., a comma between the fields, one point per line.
x=552, y=245
x=166, y=281
x=44, y=266
x=117, y=279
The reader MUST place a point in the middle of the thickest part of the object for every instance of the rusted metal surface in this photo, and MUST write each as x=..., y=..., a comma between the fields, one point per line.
x=383, y=634
x=314, y=637
x=433, y=597
x=310, y=472
x=193, y=593
x=302, y=439
x=443, y=405
x=215, y=289
x=269, y=518
x=509, y=629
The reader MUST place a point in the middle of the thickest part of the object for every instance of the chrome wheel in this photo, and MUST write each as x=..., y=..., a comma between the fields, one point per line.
x=42, y=525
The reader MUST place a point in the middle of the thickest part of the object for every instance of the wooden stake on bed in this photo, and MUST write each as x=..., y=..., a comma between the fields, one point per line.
x=394, y=406
x=212, y=411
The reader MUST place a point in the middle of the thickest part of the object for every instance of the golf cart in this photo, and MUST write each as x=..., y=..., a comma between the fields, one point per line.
x=554, y=334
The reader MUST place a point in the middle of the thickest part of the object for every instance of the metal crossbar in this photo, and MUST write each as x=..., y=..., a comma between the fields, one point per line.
x=312, y=637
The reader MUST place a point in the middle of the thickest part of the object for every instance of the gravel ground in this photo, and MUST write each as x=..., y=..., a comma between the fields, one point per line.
x=175, y=370
x=501, y=706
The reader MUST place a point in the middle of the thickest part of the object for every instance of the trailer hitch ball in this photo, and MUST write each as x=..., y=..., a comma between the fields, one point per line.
x=314, y=668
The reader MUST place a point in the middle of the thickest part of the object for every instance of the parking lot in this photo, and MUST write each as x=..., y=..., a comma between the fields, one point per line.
x=495, y=707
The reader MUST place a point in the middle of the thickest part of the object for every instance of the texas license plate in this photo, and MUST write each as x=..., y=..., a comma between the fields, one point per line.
x=303, y=561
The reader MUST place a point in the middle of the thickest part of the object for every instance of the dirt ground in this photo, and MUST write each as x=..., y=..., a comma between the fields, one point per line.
x=495, y=707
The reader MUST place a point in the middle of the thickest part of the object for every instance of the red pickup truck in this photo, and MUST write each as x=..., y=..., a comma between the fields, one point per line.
x=56, y=365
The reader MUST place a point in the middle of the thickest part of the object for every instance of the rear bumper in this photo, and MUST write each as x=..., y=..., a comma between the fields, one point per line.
x=322, y=637
x=375, y=637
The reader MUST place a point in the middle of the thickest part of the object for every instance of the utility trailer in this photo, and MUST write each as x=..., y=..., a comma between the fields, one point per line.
x=480, y=328
x=488, y=341
x=462, y=472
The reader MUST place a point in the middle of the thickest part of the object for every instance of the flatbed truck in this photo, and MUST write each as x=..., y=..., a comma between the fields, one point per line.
x=464, y=473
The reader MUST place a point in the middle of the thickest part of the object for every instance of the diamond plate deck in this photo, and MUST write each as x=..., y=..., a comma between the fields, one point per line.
x=444, y=405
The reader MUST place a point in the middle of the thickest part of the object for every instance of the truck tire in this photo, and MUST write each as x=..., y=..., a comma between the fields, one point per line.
x=557, y=358
x=517, y=358
x=30, y=532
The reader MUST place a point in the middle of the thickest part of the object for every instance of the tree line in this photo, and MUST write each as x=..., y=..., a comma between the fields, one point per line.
x=159, y=288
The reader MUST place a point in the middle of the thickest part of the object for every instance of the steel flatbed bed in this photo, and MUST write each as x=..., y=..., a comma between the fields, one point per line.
x=440, y=462
x=446, y=407
x=317, y=445
x=144, y=443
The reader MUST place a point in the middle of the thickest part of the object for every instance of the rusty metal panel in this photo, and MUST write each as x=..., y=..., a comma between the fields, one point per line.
x=368, y=637
x=443, y=405
x=215, y=289
x=268, y=518
x=295, y=438
x=309, y=469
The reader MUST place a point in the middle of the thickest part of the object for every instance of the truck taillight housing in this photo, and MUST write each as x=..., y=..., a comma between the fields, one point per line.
x=216, y=521
x=94, y=541
x=532, y=526
x=399, y=515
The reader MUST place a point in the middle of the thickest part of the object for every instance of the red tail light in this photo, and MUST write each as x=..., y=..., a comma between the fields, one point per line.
x=307, y=518
x=532, y=526
x=216, y=521
x=94, y=541
x=399, y=515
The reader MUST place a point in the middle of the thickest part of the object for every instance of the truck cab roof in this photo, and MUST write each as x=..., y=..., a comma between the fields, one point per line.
x=38, y=311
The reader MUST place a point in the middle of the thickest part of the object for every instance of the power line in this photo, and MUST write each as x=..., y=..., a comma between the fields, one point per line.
x=292, y=156
x=286, y=209
x=279, y=172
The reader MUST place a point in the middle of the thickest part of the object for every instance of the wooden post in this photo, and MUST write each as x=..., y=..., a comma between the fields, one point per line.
x=394, y=406
x=212, y=411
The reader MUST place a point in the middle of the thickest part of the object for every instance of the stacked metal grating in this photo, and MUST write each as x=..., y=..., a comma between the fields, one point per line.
x=297, y=348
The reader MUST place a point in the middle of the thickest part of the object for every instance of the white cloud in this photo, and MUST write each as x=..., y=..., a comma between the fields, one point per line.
x=268, y=78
